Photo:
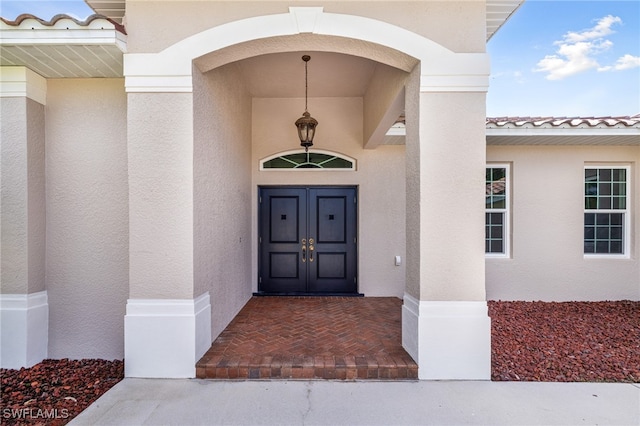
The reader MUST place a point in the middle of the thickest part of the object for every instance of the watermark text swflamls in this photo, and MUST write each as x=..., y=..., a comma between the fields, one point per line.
x=34, y=413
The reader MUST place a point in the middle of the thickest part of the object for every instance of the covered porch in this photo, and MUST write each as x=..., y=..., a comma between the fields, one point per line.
x=343, y=338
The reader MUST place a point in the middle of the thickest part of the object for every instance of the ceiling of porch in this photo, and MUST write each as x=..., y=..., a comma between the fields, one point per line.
x=281, y=75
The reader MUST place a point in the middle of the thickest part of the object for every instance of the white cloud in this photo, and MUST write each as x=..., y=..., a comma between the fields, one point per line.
x=601, y=29
x=623, y=63
x=577, y=51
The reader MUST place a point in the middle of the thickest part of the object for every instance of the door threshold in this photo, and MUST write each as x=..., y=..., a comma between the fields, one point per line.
x=265, y=294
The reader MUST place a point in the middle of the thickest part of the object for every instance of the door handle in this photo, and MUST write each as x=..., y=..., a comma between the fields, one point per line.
x=304, y=250
x=310, y=249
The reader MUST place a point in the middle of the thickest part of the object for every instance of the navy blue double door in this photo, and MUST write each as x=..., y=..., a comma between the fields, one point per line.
x=307, y=240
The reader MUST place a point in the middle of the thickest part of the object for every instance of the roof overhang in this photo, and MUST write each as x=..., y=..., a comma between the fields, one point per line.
x=498, y=11
x=64, y=47
x=564, y=131
x=112, y=9
x=550, y=131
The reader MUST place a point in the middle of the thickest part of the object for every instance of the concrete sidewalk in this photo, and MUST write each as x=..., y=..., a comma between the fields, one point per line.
x=203, y=402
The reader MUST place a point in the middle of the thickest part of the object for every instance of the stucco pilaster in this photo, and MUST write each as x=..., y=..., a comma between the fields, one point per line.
x=446, y=328
x=23, y=183
x=452, y=164
x=24, y=309
x=160, y=150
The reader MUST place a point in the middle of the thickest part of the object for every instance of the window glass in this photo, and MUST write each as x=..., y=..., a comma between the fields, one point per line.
x=605, y=205
x=308, y=160
x=496, y=205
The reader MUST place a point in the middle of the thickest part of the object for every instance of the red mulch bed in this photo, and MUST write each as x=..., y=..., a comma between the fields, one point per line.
x=55, y=391
x=531, y=341
x=565, y=341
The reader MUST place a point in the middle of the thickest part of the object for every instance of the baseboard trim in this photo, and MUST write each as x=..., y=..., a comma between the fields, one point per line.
x=450, y=340
x=24, y=329
x=165, y=337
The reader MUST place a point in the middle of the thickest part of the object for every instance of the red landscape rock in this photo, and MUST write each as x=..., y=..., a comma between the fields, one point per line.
x=531, y=341
x=565, y=341
x=55, y=391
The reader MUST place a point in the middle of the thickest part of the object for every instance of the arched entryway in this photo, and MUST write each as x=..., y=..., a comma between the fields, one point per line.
x=210, y=132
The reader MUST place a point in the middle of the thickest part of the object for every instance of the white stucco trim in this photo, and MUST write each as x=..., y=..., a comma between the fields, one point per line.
x=164, y=338
x=450, y=340
x=170, y=70
x=24, y=329
x=22, y=82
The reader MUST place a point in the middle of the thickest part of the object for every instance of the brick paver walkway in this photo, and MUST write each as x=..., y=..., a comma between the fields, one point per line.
x=345, y=338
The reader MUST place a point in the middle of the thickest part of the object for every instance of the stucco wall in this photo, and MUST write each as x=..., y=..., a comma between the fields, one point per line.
x=380, y=178
x=222, y=193
x=87, y=217
x=547, y=261
x=457, y=25
x=23, y=196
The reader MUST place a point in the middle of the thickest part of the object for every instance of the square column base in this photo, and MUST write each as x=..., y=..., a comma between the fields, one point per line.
x=164, y=338
x=450, y=340
x=24, y=329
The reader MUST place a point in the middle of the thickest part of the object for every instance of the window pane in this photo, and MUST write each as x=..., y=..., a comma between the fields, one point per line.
x=496, y=246
x=616, y=247
x=494, y=233
x=604, y=233
x=619, y=189
x=308, y=160
x=495, y=189
x=615, y=218
x=604, y=202
x=589, y=218
x=616, y=232
x=589, y=232
x=590, y=174
x=604, y=174
x=619, y=175
x=589, y=247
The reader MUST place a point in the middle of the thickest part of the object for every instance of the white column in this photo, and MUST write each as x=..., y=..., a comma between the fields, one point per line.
x=167, y=325
x=446, y=327
x=24, y=309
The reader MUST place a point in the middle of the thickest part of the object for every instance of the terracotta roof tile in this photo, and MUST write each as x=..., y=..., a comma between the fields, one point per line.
x=564, y=122
x=53, y=21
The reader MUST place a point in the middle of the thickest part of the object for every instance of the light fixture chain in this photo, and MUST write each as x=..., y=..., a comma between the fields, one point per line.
x=306, y=85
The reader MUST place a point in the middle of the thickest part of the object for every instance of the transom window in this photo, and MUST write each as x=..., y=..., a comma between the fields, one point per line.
x=606, y=214
x=302, y=160
x=497, y=210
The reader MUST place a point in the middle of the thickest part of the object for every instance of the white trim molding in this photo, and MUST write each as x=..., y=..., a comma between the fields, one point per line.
x=171, y=69
x=450, y=340
x=24, y=329
x=164, y=338
x=22, y=82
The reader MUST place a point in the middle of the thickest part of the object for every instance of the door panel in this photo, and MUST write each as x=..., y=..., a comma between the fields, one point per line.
x=282, y=222
x=308, y=240
x=332, y=214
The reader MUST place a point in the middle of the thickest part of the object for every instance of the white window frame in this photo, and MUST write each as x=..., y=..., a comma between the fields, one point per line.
x=506, y=211
x=626, y=247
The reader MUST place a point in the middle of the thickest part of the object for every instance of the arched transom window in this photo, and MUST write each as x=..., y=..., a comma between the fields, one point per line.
x=312, y=160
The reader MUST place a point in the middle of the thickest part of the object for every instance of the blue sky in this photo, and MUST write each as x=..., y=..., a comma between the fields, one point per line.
x=552, y=58
x=567, y=58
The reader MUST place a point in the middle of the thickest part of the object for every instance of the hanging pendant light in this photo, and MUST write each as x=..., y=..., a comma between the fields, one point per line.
x=306, y=124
